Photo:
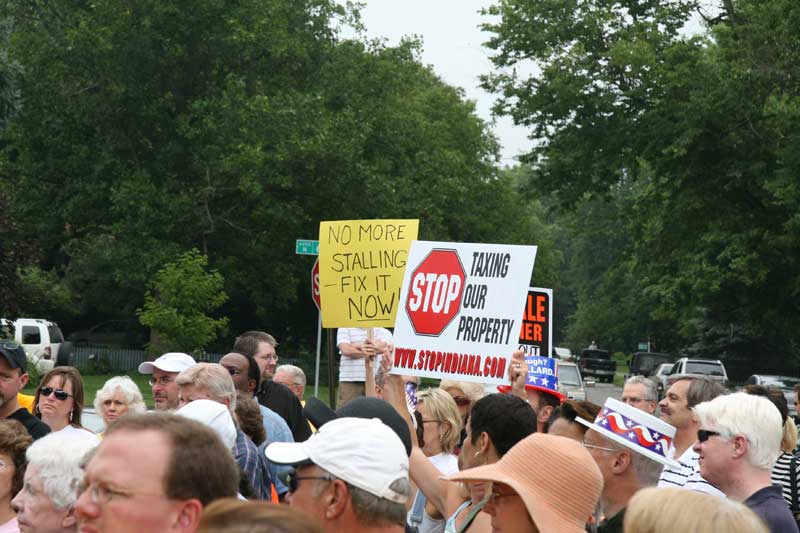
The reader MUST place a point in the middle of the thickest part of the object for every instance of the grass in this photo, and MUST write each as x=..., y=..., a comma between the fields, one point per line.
x=92, y=383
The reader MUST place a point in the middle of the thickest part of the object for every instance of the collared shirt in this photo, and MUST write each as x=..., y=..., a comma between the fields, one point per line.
x=277, y=431
x=687, y=474
x=769, y=505
x=254, y=465
x=613, y=524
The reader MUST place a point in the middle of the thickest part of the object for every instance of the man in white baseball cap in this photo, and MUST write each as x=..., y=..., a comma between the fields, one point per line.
x=164, y=370
x=352, y=475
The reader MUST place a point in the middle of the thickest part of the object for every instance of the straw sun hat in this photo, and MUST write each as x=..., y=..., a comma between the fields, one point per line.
x=556, y=477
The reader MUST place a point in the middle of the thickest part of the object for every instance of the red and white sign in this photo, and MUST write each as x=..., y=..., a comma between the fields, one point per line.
x=461, y=307
x=437, y=285
x=315, y=284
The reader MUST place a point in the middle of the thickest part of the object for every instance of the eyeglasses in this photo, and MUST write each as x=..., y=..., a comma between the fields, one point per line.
x=461, y=401
x=704, y=434
x=292, y=479
x=635, y=400
x=163, y=381
x=102, y=494
x=269, y=357
x=585, y=445
x=3, y=465
x=60, y=394
x=430, y=420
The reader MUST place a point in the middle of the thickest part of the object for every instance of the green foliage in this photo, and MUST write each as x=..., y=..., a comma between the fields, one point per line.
x=181, y=296
x=149, y=128
x=690, y=142
x=44, y=293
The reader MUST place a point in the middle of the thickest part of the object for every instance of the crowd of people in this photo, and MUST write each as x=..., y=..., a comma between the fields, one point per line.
x=235, y=447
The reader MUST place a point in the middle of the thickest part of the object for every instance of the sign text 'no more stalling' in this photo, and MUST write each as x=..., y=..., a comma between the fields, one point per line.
x=361, y=266
x=460, y=309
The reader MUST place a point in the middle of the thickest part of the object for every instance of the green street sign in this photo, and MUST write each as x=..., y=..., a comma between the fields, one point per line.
x=306, y=247
x=644, y=345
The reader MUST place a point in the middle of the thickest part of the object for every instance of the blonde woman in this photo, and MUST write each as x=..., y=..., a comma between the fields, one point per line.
x=465, y=394
x=441, y=432
x=666, y=510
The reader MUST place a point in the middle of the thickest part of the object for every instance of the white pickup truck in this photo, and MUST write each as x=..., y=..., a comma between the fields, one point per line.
x=42, y=341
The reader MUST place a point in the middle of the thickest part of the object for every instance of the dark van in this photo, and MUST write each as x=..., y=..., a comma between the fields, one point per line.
x=646, y=363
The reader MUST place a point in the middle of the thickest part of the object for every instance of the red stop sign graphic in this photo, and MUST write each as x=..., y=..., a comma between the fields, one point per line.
x=315, y=284
x=434, y=297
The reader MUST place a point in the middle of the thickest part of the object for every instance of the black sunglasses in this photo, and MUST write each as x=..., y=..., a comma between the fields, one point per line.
x=61, y=395
x=292, y=479
x=704, y=434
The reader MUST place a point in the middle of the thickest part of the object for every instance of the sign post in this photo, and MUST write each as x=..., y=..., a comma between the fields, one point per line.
x=315, y=297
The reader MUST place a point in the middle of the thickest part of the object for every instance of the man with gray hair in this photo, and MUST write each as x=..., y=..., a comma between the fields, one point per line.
x=294, y=378
x=49, y=492
x=211, y=381
x=351, y=475
x=738, y=441
x=676, y=409
x=627, y=445
x=640, y=393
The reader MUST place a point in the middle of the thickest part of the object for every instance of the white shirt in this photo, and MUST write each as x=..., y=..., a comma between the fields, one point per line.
x=77, y=432
x=352, y=369
x=687, y=475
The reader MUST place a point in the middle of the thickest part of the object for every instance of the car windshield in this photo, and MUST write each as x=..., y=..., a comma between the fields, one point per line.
x=708, y=368
x=782, y=382
x=568, y=375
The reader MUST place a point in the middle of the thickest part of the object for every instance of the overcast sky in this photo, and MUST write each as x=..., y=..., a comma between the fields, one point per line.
x=452, y=43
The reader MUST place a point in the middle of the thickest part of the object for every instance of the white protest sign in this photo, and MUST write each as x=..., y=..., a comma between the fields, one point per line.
x=460, y=310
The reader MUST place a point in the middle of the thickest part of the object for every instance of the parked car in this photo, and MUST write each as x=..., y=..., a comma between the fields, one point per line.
x=711, y=368
x=42, y=341
x=597, y=363
x=785, y=383
x=91, y=420
x=562, y=353
x=660, y=377
x=646, y=363
x=570, y=382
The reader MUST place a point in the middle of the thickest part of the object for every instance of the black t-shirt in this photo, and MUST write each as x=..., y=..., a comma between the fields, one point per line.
x=35, y=427
x=280, y=399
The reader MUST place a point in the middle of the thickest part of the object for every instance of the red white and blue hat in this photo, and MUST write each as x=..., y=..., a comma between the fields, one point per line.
x=542, y=376
x=635, y=429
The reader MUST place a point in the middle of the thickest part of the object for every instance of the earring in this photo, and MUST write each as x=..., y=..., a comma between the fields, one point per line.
x=477, y=453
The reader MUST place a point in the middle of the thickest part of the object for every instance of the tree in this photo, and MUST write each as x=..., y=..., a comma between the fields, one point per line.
x=177, y=306
x=697, y=126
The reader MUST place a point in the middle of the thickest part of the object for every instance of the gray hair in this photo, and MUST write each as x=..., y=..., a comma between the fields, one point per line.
x=59, y=460
x=298, y=376
x=128, y=390
x=647, y=470
x=650, y=390
x=373, y=510
x=701, y=389
x=214, y=379
x=753, y=417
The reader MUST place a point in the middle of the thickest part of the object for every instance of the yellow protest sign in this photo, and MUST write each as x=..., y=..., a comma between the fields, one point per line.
x=361, y=267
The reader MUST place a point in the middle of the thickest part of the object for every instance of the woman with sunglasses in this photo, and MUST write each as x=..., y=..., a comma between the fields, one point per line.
x=465, y=394
x=59, y=401
x=119, y=396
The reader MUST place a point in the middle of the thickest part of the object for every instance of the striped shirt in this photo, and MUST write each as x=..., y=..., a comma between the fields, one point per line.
x=780, y=475
x=352, y=369
x=687, y=474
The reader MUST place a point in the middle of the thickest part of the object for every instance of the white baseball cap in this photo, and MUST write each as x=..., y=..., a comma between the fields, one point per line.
x=214, y=415
x=169, y=362
x=363, y=452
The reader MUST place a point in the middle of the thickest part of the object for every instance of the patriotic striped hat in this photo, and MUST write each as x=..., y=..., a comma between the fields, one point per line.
x=635, y=429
